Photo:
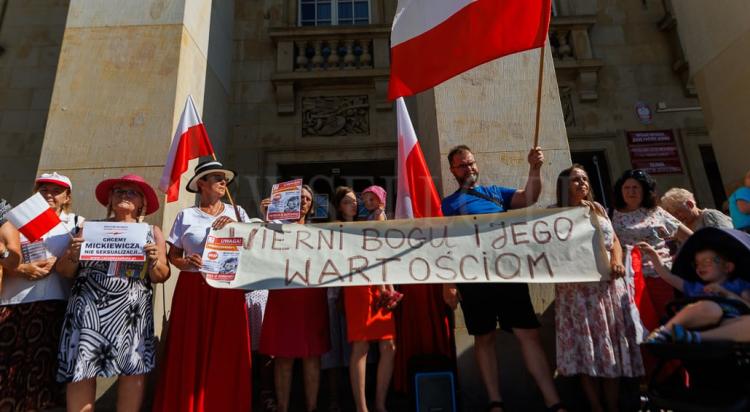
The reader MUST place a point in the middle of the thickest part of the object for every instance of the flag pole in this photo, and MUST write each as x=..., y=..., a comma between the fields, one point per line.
x=229, y=195
x=539, y=94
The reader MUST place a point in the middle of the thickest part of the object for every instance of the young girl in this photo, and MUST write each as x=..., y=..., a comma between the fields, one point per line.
x=374, y=200
x=716, y=276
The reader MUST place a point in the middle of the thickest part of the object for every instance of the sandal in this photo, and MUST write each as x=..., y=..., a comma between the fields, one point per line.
x=682, y=335
x=658, y=336
x=495, y=404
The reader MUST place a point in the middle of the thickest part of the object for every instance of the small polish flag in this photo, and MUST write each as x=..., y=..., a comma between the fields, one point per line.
x=190, y=141
x=34, y=217
x=416, y=196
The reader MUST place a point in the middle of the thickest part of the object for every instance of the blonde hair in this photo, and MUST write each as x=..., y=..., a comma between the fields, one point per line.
x=676, y=197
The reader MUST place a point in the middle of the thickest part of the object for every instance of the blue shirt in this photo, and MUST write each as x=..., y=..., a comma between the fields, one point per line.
x=693, y=289
x=461, y=203
x=740, y=220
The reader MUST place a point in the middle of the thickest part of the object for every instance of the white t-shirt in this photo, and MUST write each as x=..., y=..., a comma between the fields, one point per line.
x=17, y=289
x=191, y=227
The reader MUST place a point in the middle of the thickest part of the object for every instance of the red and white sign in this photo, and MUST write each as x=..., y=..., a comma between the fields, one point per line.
x=434, y=40
x=655, y=152
x=114, y=241
x=220, y=258
x=190, y=141
x=286, y=201
x=34, y=217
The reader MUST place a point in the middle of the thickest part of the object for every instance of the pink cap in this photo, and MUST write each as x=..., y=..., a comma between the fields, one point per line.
x=54, y=178
x=377, y=191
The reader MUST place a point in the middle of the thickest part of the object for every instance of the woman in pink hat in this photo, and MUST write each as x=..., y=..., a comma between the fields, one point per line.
x=109, y=323
x=207, y=359
x=32, y=307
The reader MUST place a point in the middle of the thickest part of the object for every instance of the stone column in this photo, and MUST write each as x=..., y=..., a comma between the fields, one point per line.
x=492, y=110
x=121, y=84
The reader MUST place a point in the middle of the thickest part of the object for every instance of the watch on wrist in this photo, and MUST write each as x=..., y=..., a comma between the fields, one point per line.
x=5, y=253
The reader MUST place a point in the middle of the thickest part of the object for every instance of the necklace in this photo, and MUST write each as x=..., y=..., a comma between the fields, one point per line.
x=218, y=210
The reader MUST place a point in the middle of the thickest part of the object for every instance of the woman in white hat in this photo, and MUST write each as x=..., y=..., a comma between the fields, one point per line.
x=207, y=356
x=33, y=300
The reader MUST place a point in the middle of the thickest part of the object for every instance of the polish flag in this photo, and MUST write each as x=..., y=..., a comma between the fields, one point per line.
x=190, y=141
x=434, y=40
x=423, y=327
x=34, y=217
x=416, y=196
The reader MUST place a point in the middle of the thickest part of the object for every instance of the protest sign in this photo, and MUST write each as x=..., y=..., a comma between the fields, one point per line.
x=220, y=257
x=285, y=201
x=34, y=251
x=114, y=241
x=529, y=246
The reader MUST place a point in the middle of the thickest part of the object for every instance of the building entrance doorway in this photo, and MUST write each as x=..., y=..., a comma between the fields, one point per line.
x=596, y=166
x=325, y=177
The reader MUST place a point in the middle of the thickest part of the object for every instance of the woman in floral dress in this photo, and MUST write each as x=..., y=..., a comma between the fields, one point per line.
x=596, y=336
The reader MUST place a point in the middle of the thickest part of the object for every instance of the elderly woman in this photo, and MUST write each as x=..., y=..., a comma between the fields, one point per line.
x=596, y=337
x=296, y=326
x=681, y=204
x=207, y=355
x=739, y=206
x=109, y=323
x=33, y=300
x=637, y=218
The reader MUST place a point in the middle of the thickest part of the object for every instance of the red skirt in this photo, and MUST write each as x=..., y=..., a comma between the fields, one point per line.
x=363, y=322
x=422, y=328
x=296, y=324
x=206, y=361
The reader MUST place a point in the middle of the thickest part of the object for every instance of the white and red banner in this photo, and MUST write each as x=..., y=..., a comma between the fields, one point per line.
x=114, y=241
x=416, y=196
x=530, y=246
x=190, y=141
x=434, y=40
x=34, y=217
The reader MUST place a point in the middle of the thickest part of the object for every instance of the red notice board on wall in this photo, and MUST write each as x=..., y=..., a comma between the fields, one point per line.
x=655, y=152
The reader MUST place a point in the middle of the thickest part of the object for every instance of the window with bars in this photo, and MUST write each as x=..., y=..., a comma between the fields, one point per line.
x=334, y=12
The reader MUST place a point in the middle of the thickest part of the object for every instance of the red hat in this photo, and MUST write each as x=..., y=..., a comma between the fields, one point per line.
x=104, y=188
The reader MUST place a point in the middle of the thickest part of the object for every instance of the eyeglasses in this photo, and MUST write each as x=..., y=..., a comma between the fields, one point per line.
x=707, y=262
x=464, y=165
x=126, y=193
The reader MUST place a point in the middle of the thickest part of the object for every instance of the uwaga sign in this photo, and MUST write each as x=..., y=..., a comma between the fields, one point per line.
x=530, y=246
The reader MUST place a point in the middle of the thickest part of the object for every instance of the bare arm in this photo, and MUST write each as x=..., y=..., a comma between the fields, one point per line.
x=683, y=233
x=615, y=260
x=675, y=281
x=190, y=263
x=10, y=240
x=158, y=268
x=530, y=193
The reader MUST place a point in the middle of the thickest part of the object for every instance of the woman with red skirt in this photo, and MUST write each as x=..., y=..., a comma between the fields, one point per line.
x=206, y=364
x=296, y=326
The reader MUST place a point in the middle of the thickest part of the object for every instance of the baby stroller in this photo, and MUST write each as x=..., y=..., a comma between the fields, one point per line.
x=717, y=372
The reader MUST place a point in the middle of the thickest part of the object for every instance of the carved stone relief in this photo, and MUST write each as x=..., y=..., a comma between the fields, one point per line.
x=335, y=116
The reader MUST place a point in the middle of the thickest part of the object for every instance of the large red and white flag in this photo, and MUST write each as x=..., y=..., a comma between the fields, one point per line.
x=434, y=40
x=416, y=196
x=34, y=217
x=190, y=141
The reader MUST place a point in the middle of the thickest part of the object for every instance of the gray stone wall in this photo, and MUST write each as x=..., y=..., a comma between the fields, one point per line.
x=31, y=35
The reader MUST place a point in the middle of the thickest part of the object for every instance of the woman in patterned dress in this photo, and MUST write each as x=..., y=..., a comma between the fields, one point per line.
x=637, y=218
x=32, y=308
x=596, y=337
x=109, y=323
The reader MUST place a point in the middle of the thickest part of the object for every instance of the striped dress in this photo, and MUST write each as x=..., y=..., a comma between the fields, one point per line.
x=109, y=324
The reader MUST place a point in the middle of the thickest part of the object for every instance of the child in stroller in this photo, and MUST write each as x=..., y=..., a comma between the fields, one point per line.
x=709, y=331
x=717, y=277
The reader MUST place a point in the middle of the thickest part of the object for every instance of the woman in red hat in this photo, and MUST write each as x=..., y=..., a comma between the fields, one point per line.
x=207, y=355
x=109, y=323
x=32, y=307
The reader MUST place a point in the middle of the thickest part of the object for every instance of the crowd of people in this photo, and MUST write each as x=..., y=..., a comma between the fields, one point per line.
x=64, y=322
